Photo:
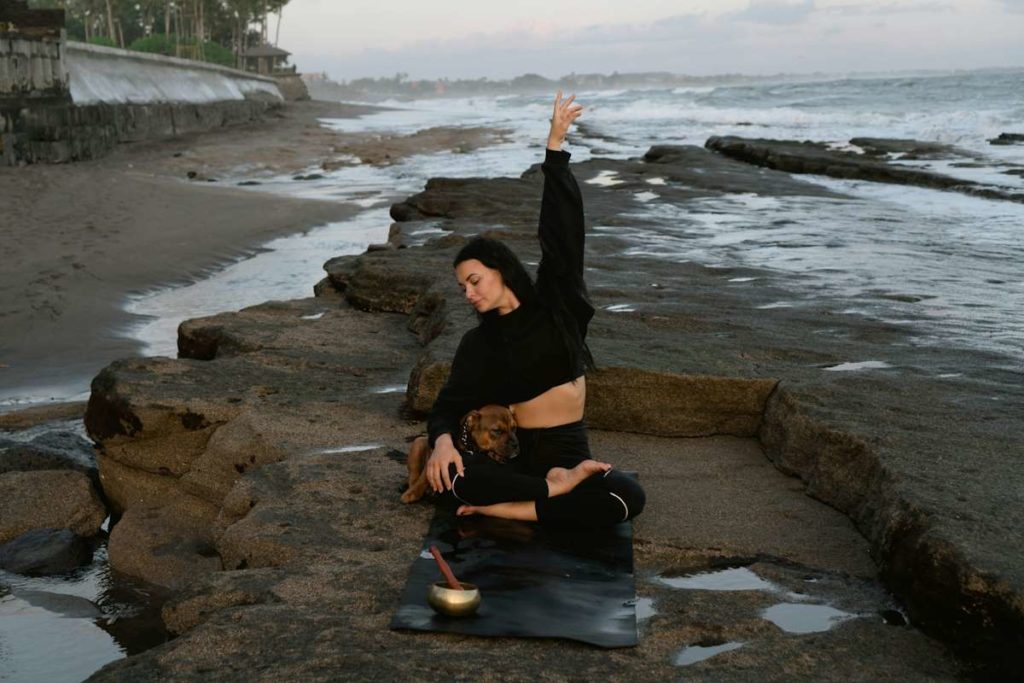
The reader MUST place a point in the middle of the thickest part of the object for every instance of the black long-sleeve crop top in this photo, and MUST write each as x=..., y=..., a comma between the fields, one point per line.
x=514, y=357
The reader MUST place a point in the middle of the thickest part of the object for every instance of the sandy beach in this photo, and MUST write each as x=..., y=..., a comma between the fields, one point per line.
x=80, y=237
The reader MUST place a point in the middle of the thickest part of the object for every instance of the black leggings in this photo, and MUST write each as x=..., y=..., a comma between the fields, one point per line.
x=601, y=500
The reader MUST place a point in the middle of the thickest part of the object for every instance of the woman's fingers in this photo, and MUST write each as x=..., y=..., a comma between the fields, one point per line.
x=447, y=477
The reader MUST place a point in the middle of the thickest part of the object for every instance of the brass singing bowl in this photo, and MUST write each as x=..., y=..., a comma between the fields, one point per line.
x=451, y=602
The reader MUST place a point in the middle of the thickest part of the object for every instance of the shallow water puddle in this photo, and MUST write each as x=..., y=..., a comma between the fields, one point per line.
x=313, y=316
x=620, y=308
x=351, y=449
x=691, y=654
x=655, y=181
x=645, y=609
x=735, y=579
x=863, y=365
x=65, y=627
x=26, y=628
x=742, y=279
x=645, y=196
x=388, y=389
x=799, y=618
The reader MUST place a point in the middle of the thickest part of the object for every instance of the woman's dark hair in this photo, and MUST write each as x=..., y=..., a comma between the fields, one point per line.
x=496, y=254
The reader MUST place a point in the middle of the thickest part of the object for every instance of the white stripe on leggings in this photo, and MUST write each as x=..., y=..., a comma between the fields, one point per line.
x=621, y=501
x=466, y=501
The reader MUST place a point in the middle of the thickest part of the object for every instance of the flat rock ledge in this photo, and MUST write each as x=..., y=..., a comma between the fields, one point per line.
x=872, y=162
x=273, y=448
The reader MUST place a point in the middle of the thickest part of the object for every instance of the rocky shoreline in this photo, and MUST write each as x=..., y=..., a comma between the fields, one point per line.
x=258, y=473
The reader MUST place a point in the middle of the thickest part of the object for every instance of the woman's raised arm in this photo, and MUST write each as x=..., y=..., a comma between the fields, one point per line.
x=561, y=230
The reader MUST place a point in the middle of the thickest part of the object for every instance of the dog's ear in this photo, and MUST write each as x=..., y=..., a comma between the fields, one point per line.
x=471, y=418
x=512, y=422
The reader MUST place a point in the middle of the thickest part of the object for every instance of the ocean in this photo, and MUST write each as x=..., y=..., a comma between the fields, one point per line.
x=948, y=265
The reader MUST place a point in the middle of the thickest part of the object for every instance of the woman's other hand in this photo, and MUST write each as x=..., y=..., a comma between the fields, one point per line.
x=438, y=465
x=565, y=113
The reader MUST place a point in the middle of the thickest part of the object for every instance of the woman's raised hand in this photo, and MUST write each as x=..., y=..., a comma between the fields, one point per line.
x=566, y=111
x=437, y=467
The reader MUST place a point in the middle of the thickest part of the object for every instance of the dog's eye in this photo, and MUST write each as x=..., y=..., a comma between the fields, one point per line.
x=497, y=432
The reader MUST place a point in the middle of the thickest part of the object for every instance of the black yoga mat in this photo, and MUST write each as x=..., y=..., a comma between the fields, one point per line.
x=535, y=582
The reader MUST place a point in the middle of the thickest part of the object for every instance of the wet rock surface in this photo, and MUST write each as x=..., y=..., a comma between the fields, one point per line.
x=42, y=552
x=286, y=439
x=1008, y=139
x=54, y=448
x=872, y=164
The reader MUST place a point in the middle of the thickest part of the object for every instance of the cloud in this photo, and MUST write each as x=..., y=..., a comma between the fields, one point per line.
x=862, y=9
x=761, y=37
x=1015, y=6
x=775, y=12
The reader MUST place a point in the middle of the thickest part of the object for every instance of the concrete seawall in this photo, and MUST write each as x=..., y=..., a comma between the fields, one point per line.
x=111, y=76
x=64, y=101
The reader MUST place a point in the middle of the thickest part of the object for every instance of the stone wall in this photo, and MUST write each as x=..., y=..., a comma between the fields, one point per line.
x=63, y=102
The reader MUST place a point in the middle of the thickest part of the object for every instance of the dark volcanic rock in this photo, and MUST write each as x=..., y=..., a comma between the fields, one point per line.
x=332, y=548
x=43, y=552
x=907, y=149
x=55, y=450
x=911, y=458
x=175, y=435
x=818, y=158
x=316, y=547
x=1008, y=139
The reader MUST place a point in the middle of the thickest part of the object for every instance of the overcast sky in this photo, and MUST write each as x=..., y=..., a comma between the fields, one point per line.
x=473, y=38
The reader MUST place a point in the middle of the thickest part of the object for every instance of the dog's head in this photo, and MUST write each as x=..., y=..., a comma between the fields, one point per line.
x=490, y=430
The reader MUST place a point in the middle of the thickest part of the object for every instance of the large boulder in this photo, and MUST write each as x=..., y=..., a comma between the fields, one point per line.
x=42, y=552
x=52, y=450
x=48, y=499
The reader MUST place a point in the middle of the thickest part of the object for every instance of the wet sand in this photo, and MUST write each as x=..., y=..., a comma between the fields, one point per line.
x=80, y=237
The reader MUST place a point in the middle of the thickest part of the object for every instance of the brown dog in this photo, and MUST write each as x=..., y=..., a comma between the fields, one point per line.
x=491, y=430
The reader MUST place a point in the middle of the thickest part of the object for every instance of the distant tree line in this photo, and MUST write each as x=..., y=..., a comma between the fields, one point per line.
x=400, y=86
x=211, y=30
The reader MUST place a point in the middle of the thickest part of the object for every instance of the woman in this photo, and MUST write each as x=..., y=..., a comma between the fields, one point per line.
x=529, y=352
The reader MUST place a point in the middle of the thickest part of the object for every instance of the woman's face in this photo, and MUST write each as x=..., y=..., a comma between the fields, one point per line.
x=484, y=287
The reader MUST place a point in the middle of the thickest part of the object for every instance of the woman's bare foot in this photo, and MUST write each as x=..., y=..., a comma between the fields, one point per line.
x=561, y=480
x=522, y=510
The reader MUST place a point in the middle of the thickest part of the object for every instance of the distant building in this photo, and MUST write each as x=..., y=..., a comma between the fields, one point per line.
x=266, y=60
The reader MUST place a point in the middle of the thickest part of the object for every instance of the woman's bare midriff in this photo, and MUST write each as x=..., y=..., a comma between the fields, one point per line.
x=557, y=406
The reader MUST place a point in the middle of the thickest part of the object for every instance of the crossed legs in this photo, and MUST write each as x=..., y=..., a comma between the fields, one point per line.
x=560, y=481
